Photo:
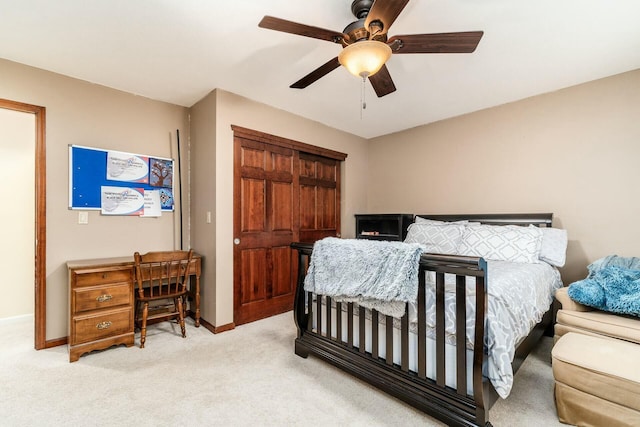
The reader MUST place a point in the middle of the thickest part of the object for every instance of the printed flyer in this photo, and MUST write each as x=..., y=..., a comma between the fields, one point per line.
x=122, y=200
x=127, y=167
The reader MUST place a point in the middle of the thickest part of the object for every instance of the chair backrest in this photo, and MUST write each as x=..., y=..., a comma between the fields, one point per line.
x=165, y=271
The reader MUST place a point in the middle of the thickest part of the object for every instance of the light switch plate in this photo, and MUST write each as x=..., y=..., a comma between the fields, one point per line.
x=83, y=217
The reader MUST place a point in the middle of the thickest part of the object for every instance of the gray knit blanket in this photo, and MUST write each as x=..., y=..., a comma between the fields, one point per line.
x=378, y=275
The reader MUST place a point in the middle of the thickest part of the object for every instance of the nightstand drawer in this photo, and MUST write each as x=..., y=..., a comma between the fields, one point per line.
x=97, y=297
x=103, y=276
x=101, y=325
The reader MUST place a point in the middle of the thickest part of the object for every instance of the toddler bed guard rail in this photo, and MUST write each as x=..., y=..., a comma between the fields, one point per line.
x=445, y=382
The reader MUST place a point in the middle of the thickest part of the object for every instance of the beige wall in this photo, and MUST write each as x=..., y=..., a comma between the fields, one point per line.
x=573, y=152
x=82, y=113
x=203, y=198
x=232, y=109
x=17, y=174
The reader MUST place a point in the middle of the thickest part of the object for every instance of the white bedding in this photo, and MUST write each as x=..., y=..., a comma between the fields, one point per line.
x=518, y=296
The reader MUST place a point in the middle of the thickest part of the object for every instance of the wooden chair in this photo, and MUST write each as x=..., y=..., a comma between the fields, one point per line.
x=161, y=276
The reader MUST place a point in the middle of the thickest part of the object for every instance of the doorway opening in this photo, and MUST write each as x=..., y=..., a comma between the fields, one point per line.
x=40, y=219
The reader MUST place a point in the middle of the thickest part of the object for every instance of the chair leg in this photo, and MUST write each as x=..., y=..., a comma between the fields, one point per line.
x=181, y=316
x=143, y=327
x=184, y=306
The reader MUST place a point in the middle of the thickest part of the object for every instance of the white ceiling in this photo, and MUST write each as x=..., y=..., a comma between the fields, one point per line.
x=179, y=50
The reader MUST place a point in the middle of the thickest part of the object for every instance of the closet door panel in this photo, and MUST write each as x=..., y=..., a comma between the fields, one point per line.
x=326, y=208
x=307, y=168
x=307, y=207
x=253, y=205
x=319, y=197
x=282, y=203
x=253, y=157
x=281, y=278
x=254, y=275
x=282, y=162
x=326, y=171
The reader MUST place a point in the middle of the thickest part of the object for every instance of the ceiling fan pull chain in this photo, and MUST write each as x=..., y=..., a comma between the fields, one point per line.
x=363, y=102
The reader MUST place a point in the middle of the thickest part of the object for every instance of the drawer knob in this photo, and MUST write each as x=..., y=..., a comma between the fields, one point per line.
x=103, y=325
x=104, y=275
x=103, y=298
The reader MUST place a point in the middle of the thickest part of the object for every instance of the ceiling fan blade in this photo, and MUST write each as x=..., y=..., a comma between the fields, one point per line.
x=382, y=82
x=385, y=11
x=285, y=26
x=316, y=74
x=464, y=42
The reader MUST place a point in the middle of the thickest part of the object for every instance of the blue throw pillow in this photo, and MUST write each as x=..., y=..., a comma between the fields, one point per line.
x=613, y=289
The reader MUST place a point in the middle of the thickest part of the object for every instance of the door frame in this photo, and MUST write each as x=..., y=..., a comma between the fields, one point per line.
x=40, y=281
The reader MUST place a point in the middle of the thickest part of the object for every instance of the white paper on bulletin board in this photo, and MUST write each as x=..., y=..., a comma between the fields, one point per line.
x=122, y=200
x=127, y=167
x=152, y=204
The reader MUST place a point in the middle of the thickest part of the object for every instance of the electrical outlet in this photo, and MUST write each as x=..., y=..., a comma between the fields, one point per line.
x=208, y=217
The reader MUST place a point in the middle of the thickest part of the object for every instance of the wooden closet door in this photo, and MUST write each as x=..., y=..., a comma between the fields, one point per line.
x=319, y=197
x=265, y=224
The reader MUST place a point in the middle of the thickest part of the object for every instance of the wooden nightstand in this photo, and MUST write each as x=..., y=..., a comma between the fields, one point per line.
x=382, y=226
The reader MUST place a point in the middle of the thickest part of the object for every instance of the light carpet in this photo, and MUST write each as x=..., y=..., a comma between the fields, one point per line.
x=249, y=376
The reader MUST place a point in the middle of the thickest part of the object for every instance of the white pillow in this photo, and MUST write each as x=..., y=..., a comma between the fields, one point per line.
x=502, y=242
x=554, y=246
x=421, y=220
x=436, y=238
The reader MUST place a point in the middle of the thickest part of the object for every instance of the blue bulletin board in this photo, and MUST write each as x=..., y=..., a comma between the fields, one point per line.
x=93, y=169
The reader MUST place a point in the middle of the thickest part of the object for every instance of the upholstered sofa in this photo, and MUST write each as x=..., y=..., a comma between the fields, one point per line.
x=596, y=366
x=575, y=317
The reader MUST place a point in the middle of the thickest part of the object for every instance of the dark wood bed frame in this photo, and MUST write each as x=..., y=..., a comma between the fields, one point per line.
x=450, y=405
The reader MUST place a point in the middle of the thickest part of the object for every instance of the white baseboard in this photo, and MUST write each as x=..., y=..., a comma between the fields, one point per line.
x=17, y=319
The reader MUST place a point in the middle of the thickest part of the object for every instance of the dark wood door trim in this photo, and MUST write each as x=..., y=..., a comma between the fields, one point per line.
x=285, y=142
x=40, y=281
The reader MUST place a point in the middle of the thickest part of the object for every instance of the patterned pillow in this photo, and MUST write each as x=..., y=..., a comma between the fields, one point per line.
x=421, y=220
x=437, y=239
x=502, y=242
x=553, y=249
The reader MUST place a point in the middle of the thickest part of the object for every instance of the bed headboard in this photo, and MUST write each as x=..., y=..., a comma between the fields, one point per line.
x=537, y=219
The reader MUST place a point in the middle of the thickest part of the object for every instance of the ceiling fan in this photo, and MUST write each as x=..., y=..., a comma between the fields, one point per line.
x=366, y=46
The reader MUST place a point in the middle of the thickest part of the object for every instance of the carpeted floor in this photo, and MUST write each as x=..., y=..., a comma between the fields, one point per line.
x=249, y=376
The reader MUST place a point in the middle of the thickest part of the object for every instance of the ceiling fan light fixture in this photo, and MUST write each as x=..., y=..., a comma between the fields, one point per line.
x=364, y=58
